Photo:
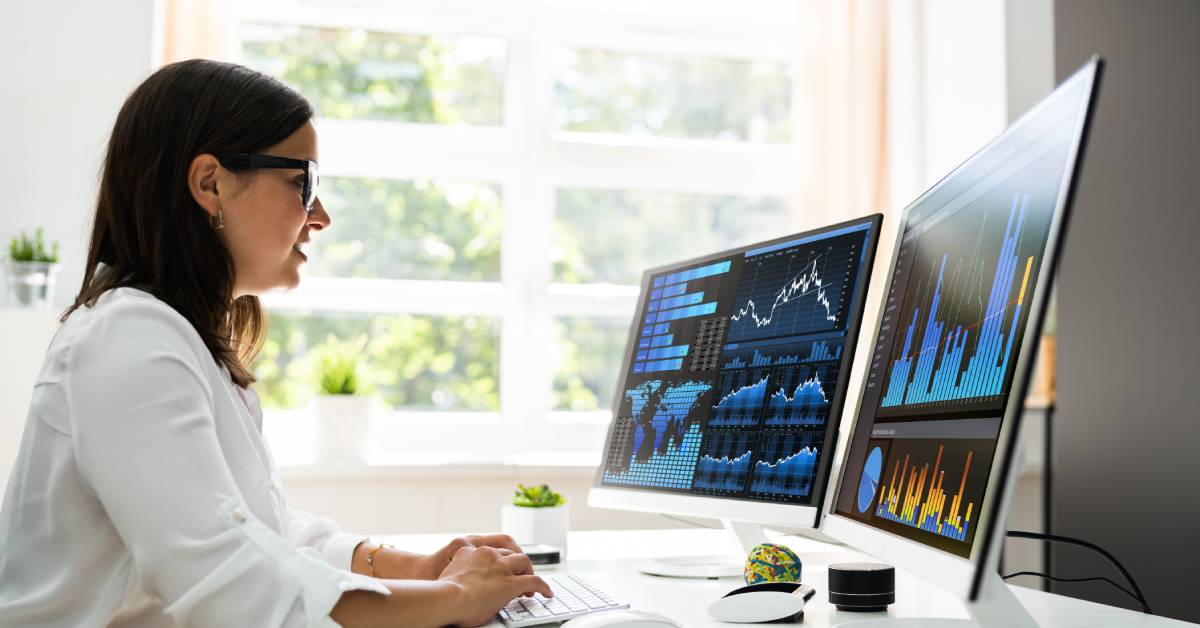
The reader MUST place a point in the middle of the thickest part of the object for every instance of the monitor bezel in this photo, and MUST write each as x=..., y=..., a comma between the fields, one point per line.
x=964, y=576
x=718, y=507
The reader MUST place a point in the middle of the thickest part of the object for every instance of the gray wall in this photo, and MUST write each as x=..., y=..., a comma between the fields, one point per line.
x=1126, y=465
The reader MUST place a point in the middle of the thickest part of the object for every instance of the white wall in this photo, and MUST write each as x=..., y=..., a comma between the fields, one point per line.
x=67, y=67
x=948, y=88
x=1029, y=53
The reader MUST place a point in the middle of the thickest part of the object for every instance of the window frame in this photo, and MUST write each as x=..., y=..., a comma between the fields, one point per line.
x=529, y=160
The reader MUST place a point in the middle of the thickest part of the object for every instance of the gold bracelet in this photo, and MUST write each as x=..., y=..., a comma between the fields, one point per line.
x=371, y=557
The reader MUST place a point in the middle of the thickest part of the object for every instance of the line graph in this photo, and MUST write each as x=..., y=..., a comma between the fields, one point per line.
x=739, y=397
x=786, y=466
x=725, y=462
x=799, y=398
x=799, y=289
x=806, y=283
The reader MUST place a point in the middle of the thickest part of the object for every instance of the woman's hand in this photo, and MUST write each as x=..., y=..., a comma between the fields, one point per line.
x=488, y=578
x=431, y=567
x=397, y=564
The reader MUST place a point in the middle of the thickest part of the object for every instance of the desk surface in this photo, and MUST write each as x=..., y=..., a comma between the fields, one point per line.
x=607, y=558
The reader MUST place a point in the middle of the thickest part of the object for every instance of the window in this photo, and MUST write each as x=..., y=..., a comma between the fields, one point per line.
x=499, y=174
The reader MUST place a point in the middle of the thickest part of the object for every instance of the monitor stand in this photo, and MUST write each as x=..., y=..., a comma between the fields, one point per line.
x=746, y=535
x=996, y=607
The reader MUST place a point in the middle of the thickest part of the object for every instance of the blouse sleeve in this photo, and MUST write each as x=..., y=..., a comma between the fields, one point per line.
x=304, y=529
x=145, y=441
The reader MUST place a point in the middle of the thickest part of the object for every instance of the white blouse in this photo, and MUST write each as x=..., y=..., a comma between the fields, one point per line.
x=143, y=494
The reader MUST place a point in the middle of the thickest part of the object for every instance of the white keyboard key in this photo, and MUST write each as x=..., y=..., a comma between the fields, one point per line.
x=573, y=597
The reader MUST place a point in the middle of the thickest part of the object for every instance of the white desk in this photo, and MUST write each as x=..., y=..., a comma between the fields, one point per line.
x=607, y=558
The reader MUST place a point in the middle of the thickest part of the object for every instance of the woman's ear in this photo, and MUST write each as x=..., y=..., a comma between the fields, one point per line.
x=202, y=183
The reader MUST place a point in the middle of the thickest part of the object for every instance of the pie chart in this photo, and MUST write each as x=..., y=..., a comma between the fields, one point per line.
x=870, y=479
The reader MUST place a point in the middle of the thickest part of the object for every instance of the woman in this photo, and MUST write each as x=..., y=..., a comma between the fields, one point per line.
x=143, y=493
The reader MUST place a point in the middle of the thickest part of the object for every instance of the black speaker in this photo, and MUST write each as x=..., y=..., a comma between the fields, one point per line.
x=862, y=587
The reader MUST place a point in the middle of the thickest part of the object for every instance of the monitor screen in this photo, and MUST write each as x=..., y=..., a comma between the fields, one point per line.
x=970, y=254
x=736, y=363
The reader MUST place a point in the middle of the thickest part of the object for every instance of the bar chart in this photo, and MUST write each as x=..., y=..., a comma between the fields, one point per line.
x=937, y=490
x=953, y=349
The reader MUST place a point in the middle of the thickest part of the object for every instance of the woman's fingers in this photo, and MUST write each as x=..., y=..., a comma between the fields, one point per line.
x=519, y=564
x=503, y=541
x=531, y=584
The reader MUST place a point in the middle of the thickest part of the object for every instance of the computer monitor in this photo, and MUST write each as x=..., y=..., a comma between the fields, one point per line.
x=929, y=465
x=732, y=385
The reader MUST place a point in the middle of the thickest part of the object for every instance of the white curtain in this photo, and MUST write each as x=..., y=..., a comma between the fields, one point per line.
x=190, y=29
x=840, y=109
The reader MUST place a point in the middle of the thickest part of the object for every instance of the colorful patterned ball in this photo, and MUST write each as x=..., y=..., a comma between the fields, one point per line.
x=772, y=563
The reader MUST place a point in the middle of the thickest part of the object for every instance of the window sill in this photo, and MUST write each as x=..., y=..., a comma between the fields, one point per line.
x=450, y=464
x=429, y=440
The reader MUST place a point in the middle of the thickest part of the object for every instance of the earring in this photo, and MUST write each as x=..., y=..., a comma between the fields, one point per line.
x=218, y=221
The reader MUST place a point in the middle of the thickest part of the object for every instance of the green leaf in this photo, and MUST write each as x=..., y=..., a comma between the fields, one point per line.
x=337, y=364
x=537, y=497
x=25, y=249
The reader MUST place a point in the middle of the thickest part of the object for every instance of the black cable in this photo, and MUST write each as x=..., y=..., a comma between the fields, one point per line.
x=1039, y=536
x=1092, y=579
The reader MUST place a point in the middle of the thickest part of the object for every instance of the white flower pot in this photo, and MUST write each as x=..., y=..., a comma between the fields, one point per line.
x=545, y=526
x=343, y=429
x=31, y=284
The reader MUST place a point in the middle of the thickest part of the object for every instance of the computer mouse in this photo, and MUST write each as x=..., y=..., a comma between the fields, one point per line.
x=767, y=601
x=623, y=618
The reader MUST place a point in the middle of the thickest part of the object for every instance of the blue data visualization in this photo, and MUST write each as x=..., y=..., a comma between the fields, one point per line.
x=792, y=351
x=798, y=289
x=673, y=468
x=798, y=398
x=725, y=461
x=666, y=434
x=733, y=352
x=739, y=397
x=778, y=382
x=787, y=464
x=868, y=484
x=677, y=300
x=952, y=349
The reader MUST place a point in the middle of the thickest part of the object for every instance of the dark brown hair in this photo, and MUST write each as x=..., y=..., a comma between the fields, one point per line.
x=149, y=229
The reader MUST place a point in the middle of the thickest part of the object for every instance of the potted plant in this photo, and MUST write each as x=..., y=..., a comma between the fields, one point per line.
x=537, y=514
x=343, y=412
x=31, y=270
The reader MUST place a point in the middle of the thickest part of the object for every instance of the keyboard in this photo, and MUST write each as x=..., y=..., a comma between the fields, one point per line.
x=573, y=596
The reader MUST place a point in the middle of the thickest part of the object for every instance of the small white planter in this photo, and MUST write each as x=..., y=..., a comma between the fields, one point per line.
x=31, y=284
x=545, y=526
x=343, y=429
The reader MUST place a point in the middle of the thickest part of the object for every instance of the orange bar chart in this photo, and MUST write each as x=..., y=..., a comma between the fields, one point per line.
x=916, y=497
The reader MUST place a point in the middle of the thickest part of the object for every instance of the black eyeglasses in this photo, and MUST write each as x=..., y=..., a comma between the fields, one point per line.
x=244, y=161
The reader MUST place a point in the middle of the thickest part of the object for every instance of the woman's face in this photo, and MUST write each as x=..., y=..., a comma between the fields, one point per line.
x=265, y=223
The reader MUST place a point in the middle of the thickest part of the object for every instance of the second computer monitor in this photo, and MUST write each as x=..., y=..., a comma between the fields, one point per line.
x=733, y=379
x=931, y=452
